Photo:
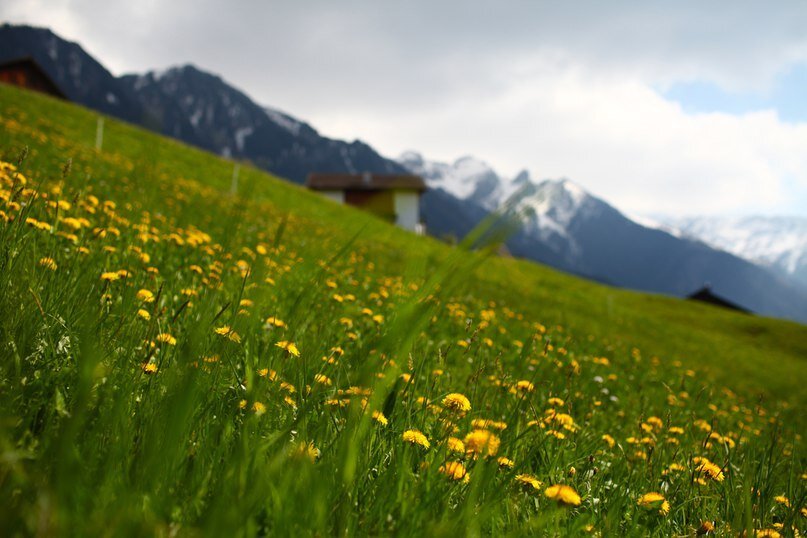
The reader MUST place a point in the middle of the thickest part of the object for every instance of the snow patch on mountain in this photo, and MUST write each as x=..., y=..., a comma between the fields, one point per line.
x=774, y=241
x=287, y=122
x=656, y=223
x=240, y=136
x=466, y=178
x=546, y=209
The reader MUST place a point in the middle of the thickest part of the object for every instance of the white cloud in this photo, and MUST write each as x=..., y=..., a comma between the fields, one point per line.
x=617, y=137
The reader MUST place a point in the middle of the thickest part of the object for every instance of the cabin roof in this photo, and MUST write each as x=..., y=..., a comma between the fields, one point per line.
x=30, y=63
x=366, y=181
x=706, y=295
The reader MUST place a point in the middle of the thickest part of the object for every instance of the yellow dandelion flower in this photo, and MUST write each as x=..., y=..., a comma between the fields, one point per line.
x=143, y=314
x=768, y=533
x=306, y=451
x=323, y=380
x=145, y=296
x=485, y=423
x=166, y=338
x=222, y=331
x=379, y=417
x=259, y=408
x=288, y=387
x=455, y=445
x=234, y=337
x=708, y=469
x=525, y=386
x=654, y=501
x=528, y=483
x=781, y=499
x=505, y=463
x=228, y=333
x=110, y=276
x=556, y=402
x=149, y=368
x=48, y=263
x=415, y=437
x=455, y=471
x=675, y=468
x=290, y=347
x=609, y=440
x=702, y=425
x=656, y=422
x=457, y=402
x=564, y=495
x=481, y=442
x=272, y=321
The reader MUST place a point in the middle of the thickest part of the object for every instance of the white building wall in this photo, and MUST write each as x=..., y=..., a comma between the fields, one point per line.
x=407, y=209
x=336, y=196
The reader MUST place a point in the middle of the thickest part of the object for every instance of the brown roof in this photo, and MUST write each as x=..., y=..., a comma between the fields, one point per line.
x=366, y=181
x=28, y=67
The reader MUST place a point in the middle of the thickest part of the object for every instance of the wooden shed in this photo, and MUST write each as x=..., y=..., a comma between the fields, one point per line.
x=706, y=295
x=395, y=198
x=26, y=73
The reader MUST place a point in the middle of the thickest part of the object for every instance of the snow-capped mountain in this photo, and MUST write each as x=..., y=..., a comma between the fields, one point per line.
x=552, y=201
x=779, y=242
x=562, y=225
x=544, y=209
x=467, y=178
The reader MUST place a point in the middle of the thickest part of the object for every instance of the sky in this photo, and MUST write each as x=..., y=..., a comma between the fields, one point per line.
x=662, y=108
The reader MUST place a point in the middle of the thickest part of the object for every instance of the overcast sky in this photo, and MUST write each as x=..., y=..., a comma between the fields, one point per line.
x=659, y=107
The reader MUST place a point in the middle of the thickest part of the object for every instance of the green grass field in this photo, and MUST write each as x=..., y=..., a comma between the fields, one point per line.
x=180, y=359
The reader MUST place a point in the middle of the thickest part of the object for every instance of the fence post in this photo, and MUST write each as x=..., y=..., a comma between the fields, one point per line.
x=234, y=182
x=99, y=133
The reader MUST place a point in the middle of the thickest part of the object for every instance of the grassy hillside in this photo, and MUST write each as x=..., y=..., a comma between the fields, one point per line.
x=179, y=357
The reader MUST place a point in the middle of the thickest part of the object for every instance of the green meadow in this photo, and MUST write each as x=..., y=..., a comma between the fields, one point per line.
x=185, y=354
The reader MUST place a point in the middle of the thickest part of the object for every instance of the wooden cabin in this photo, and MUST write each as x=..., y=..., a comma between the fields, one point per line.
x=26, y=73
x=395, y=198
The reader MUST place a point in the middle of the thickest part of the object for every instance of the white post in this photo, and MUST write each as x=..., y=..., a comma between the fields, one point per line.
x=99, y=133
x=234, y=182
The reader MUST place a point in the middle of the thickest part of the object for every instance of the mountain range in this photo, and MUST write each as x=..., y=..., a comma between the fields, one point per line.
x=553, y=221
x=564, y=226
x=776, y=242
